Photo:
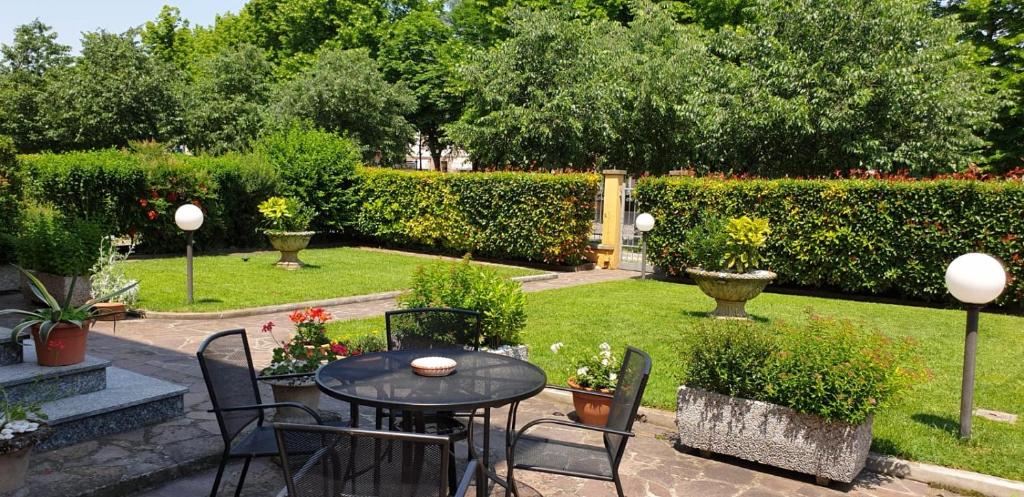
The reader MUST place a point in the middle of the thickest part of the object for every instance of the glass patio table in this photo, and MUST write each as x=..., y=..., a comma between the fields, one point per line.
x=481, y=380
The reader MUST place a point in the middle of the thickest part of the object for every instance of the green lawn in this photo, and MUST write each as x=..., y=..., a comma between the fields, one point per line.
x=229, y=282
x=658, y=317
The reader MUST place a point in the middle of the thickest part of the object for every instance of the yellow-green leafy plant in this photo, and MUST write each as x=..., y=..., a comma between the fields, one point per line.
x=286, y=214
x=744, y=238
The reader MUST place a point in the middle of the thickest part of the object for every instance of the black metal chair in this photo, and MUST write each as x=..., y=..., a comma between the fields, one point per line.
x=431, y=328
x=226, y=363
x=581, y=460
x=322, y=461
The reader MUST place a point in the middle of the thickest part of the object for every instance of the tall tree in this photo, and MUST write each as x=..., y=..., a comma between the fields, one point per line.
x=23, y=66
x=114, y=93
x=996, y=27
x=421, y=52
x=221, y=103
x=343, y=91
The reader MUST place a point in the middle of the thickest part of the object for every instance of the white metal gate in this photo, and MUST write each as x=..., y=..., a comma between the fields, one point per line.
x=629, y=256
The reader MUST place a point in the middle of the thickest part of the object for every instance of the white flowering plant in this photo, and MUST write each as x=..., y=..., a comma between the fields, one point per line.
x=593, y=371
x=17, y=419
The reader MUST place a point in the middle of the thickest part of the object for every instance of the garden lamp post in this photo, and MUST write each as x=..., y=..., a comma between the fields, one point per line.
x=974, y=279
x=189, y=218
x=644, y=223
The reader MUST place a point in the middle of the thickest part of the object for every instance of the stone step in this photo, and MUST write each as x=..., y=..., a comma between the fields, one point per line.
x=30, y=382
x=130, y=401
x=10, y=352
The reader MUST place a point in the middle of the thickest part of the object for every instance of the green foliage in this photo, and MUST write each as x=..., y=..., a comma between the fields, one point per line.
x=704, y=244
x=222, y=103
x=532, y=217
x=319, y=169
x=595, y=371
x=831, y=368
x=10, y=193
x=57, y=244
x=343, y=91
x=242, y=182
x=889, y=238
x=370, y=342
x=286, y=214
x=462, y=285
x=308, y=349
x=744, y=239
x=23, y=67
x=108, y=275
x=114, y=93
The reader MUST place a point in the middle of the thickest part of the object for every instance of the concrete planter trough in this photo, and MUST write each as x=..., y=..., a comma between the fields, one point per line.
x=58, y=287
x=774, y=435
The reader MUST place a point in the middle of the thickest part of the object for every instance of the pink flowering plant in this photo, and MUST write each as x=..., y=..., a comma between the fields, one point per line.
x=593, y=371
x=309, y=348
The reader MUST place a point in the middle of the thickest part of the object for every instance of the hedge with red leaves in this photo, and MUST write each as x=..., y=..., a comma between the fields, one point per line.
x=878, y=237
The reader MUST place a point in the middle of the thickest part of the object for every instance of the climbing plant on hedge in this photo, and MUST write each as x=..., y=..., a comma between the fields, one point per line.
x=888, y=238
x=533, y=217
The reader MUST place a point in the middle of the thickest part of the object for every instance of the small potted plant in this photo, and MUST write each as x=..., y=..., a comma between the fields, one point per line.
x=290, y=373
x=21, y=429
x=726, y=255
x=108, y=276
x=59, y=330
x=288, y=220
x=592, y=381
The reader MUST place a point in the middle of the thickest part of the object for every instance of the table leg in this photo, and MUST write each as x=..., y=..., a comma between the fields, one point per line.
x=353, y=414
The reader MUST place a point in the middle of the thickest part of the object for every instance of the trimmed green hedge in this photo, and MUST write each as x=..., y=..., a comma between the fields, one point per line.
x=8, y=197
x=525, y=216
x=887, y=238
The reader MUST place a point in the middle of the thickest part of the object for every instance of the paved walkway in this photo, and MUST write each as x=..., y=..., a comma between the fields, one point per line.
x=111, y=466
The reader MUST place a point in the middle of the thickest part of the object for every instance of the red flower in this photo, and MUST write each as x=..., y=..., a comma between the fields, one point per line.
x=143, y=202
x=339, y=349
x=268, y=327
x=196, y=203
x=151, y=215
x=318, y=314
x=153, y=194
x=297, y=317
x=172, y=197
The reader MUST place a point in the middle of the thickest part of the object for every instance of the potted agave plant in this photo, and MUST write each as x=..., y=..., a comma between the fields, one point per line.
x=21, y=429
x=60, y=330
x=290, y=373
x=592, y=383
x=288, y=223
x=726, y=255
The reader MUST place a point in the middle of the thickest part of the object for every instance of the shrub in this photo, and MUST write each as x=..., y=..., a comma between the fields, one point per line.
x=888, y=238
x=243, y=181
x=319, y=169
x=828, y=367
x=532, y=217
x=9, y=195
x=54, y=243
x=704, y=245
x=108, y=275
x=465, y=286
x=285, y=214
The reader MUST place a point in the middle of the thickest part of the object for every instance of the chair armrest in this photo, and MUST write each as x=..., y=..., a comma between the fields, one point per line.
x=588, y=392
x=284, y=376
x=570, y=424
x=274, y=405
x=467, y=478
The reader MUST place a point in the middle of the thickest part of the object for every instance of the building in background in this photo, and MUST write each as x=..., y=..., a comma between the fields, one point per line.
x=452, y=159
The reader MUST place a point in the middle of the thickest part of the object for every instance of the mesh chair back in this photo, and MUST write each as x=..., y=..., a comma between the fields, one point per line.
x=329, y=461
x=433, y=328
x=636, y=368
x=230, y=379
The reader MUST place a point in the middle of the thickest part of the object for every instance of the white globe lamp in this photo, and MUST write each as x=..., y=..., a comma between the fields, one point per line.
x=645, y=222
x=189, y=218
x=974, y=279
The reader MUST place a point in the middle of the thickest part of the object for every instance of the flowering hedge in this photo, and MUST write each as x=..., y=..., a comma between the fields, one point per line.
x=524, y=216
x=877, y=237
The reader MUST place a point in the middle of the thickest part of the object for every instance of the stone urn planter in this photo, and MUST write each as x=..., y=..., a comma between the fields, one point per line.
x=590, y=408
x=771, y=434
x=521, y=352
x=731, y=290
x=289, y=243
x=302, y=390
x=58, y=286
x=14, y=457
x=66, y=345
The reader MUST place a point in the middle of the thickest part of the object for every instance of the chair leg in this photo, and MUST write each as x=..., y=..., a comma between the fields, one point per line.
x=220, y=474
x=241, y=478
x=453, y=478
x=618, y=485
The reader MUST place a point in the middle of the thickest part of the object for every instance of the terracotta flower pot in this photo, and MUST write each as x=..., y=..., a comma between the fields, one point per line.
x=289, y=243
x=66, y=345
x=591, y=409
x=110, y=311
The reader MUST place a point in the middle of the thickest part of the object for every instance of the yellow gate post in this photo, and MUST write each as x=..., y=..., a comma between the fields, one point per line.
x=611, y=220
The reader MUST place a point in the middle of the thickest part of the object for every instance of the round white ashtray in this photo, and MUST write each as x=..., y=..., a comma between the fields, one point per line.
x=433, y=366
